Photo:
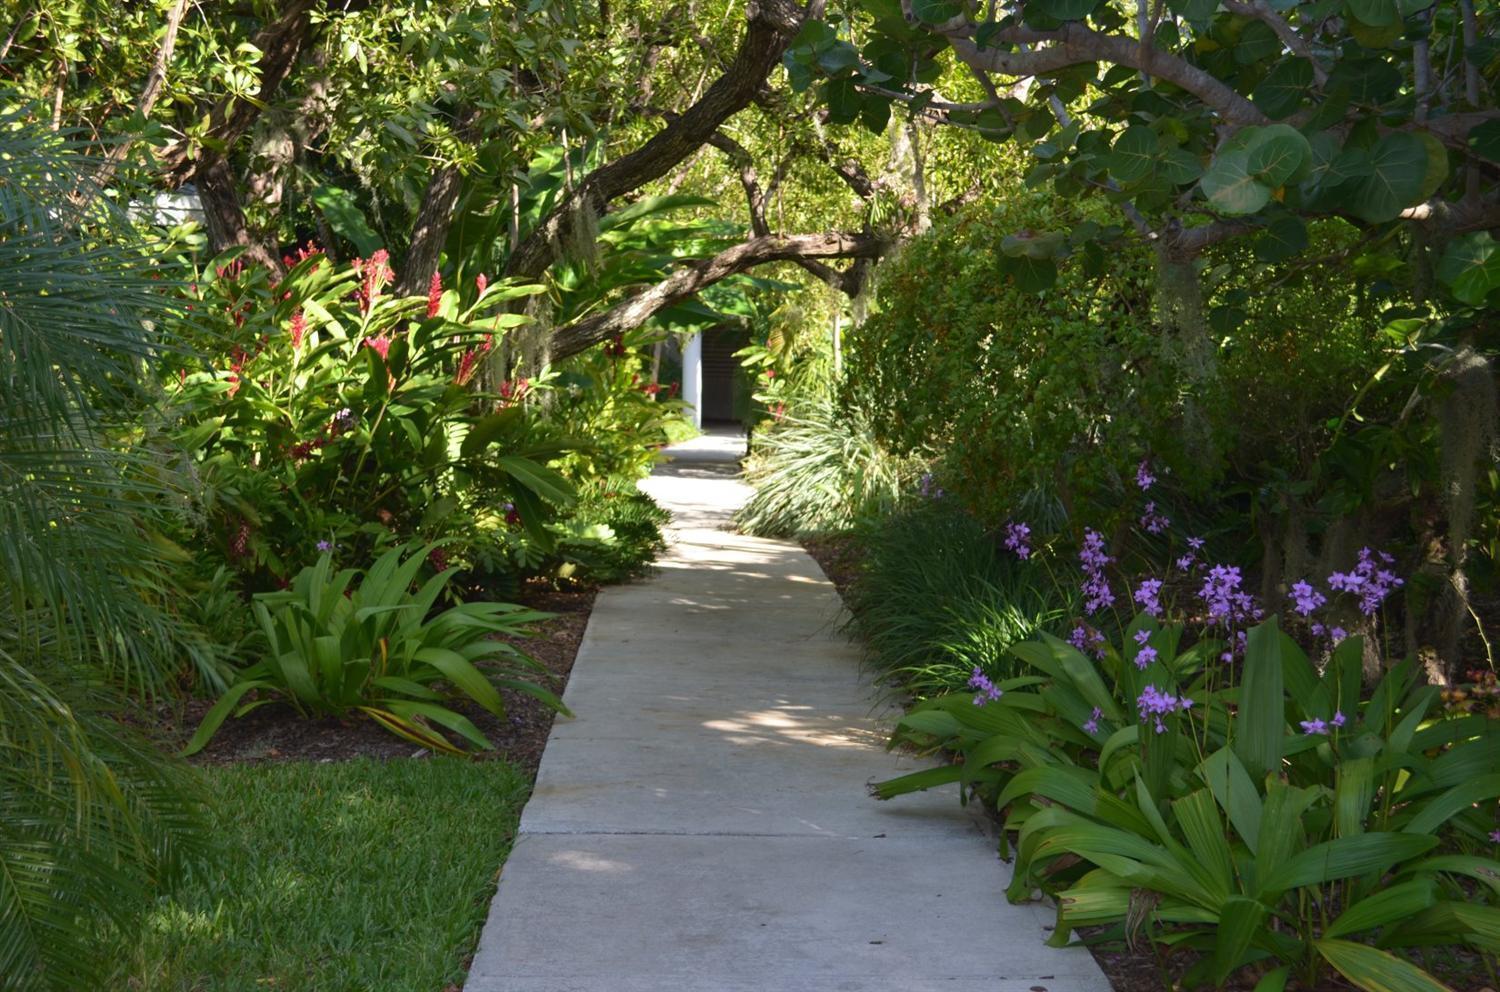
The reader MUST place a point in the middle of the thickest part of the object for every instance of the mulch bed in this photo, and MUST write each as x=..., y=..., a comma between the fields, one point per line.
x=275, y=732
x=1141, y=970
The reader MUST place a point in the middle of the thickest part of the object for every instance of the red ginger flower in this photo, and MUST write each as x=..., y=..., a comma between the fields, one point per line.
x=380, y=345
x=434, y=294
x=298, y=328
x=374, y=273
x=480, y=282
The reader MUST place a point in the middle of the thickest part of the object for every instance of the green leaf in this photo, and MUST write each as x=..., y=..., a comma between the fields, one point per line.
x=545, y=482
x=217, y=714
x=1376, y=13
x=1134, y=154
x=1484, y=140
x=1398, y=167
x=1067, y=10
x=1279, y=155
x=920, y=781
x=1398, y=902
x=1178, y=166
x=844, y=101
x=1235, y=792
x=1240, y=922
x=1230, y=187
x=1032, y=275
x=1195, y=11
x=1284, y=88
x=1470, y=267
x=1375, y=970
x=1284, y=237
x=1343, y=857
x=346, y=219
x=936, y=11
x=1262, y=719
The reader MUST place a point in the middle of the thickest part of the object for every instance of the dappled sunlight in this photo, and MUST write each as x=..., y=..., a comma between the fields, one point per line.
x=590, y=862
x=794, y=724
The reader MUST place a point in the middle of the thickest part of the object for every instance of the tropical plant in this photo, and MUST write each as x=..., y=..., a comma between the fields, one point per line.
x=1267, y=818
x=93, y=821
x=340, y=415
x=818, y=469
x=937, y=596
x=334, y=646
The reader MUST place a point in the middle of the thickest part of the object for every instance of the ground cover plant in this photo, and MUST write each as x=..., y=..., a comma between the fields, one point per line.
x=348, y=875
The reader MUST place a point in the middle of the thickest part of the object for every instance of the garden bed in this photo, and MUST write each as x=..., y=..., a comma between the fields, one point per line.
x=277, y=733
x=1143, y=967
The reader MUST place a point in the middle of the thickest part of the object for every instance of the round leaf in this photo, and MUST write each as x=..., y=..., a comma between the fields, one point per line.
x=935, y=11
x=1398, y=168
x=1134, y=154
x=1470, y=268
x=1285, y=87
x=1278, y=158
x=1229, y=185
x=1284, y=237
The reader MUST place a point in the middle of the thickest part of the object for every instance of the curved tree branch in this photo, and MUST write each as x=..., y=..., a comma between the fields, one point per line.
x=772, y=25
x=580, y=335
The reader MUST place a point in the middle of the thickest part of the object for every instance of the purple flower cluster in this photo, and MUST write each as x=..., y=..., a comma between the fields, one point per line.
x=1148, y=595
x=1087, y=639
x=1143, y=477
x=1187, y=561
x=1153, y=521
x=325, y=546
x=1335, y=634
x=987, y=691
x=928, y=487
x=1147, y=654
x=1319, y=726
x=1306, y=599
x=1371, y=582
x=1155, y=704
x=1091, y=725
x=1092, y=558
x=1018, y=539
x=1225, y=600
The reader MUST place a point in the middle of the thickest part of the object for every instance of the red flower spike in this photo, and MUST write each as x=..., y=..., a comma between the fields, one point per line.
x=434, y=294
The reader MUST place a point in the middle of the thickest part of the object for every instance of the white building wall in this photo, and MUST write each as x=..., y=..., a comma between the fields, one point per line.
x=692, y=377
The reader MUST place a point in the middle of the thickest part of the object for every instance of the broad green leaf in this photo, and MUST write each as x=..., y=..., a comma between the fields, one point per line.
x=1284, y=237
x=1240, y=922
x=927, y=778
x=1262, y=716
x=1235, y=793
x=1032, y=275
x=342, y=212
x=1134, y=154
x=1375, y=970
x=217, y=713
x=1484, y=140
x=1470, y=267
x=1279, y=157
x=543, y=481
x=1178, y=166
x=844, y=101
x=1067, y=10
x=1284, y=88
x=1433, y=812
x=1398, y=167
x=936, y=11
x=1398, y=902
x=1483, y=870
x=1376, y=13
x=1344, y=857
x=1229, y=185
x=1353, y=790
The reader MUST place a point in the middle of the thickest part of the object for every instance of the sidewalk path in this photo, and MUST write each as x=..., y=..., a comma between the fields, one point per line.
x=703, y=825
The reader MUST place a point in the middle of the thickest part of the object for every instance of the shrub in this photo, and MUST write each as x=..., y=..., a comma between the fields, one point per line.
x=937, y=597
x=334, y=647
x=819, y=469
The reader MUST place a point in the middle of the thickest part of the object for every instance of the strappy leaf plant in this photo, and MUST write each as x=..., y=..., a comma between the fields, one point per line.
x=339, y=647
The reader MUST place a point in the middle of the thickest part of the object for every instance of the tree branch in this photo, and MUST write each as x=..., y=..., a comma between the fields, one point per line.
x=772, y=25
x=1075, y=44
x=580, y=335
x=280, y=43
x=1294, y=42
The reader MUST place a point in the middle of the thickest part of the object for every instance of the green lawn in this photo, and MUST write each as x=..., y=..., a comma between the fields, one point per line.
x=358, y=875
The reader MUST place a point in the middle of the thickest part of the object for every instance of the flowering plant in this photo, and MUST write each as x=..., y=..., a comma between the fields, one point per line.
x=342, y=414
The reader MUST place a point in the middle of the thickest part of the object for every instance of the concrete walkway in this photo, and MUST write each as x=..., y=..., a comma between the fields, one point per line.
x=703, y=824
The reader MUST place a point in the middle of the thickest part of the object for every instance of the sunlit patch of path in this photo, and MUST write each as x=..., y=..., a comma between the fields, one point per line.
x=703, y=825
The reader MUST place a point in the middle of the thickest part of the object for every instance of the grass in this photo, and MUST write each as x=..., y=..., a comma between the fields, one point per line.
x=936, y=596
x=355, y=875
